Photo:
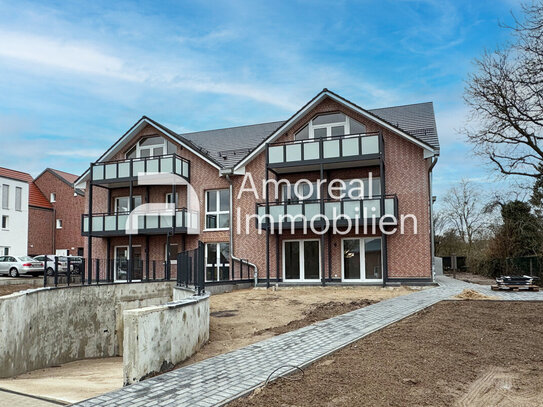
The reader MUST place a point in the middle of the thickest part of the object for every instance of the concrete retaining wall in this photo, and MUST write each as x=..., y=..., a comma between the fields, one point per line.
x=157, y=338
x=48, y=326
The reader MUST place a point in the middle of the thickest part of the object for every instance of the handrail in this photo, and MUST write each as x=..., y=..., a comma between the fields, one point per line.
x=313, y=140
x=141, y=159
x=128, y=213
x=309, y=201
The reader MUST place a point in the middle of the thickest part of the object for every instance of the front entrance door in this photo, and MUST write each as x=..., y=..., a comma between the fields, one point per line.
x=121, y=263
x=361, y=259
x=301, y=260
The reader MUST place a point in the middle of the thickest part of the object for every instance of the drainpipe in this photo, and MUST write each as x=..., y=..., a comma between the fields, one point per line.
x=232, y=231
x=432, y=245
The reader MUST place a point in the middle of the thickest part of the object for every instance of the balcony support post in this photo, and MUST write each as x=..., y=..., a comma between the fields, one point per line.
x=268, y=227
x=382, y=177
x=147, y=257
x=108, y=260
x=323, y=223
x=277, y=261
x=89, y=241
x=130, y=248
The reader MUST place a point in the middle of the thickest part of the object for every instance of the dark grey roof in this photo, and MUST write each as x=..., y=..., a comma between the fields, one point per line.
x=229, y=146
x=416, y=119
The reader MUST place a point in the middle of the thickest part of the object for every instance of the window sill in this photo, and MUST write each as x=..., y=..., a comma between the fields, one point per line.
x=215, y=230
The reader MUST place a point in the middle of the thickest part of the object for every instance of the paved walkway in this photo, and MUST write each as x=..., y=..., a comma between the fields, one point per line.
x=220, y=379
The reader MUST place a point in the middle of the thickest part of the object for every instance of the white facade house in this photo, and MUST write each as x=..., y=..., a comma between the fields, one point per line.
x=13, y=216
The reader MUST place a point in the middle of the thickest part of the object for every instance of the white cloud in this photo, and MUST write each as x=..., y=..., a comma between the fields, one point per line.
x=75, y=153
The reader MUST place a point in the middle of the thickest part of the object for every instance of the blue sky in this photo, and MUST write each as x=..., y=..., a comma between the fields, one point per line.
x=74, y=76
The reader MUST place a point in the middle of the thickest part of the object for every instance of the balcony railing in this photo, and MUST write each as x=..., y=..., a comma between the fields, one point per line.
x=115, y=224
x=129, y=169
x=363, y=210
x=351, y=147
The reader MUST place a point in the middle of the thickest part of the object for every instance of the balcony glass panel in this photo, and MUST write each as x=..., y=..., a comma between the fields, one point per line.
x=261, y=211
x=330, y=208
x=350, y=146
x=111, y=171
x=352, y=209
x=185, y=169
x=152, y=165
x=312, y=209
x=311, y=150
x=138, y=167
x=85, y=224
x=294, y=152
x=178, y=167
x=370, y=207
x=389, y=206
x=276, y=154
x=180, y=219
x=109, y=222
x=122, y=222
x=331, y=148
x=370, y=145
x=98, y=172
x=124, y=169
x=97, y=224
x=152, y=221
x=166, y=164
x=293, y=211
x=166, y=221
x=141, y=222
x=276, y=211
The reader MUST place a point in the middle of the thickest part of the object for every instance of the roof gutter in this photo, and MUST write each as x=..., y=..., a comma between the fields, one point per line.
x=431, y=211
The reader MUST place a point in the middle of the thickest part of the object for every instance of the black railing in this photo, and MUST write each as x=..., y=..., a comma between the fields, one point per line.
x=191, y=268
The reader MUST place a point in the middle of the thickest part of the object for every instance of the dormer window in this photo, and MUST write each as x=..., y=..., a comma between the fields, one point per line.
x=148, y=147
x=330, y=125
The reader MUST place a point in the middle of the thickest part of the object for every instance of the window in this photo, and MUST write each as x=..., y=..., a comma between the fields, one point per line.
x=330, y=125
x=59, y=223
x=53, y=197
x=301, y=260
x=5, y=196
x=218, y=209
x=169, y=198
x=122, y=203
x=303, y=191
x=5, y=222
x=362, y=259
x=150, y=147
x=6, y=251
x=174, y=251
x=353, y=188
x=217, y=261
x=18, y=198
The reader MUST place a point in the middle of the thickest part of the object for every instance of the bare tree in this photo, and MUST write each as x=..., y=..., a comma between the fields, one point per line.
x=505, y=96
x=464, y=212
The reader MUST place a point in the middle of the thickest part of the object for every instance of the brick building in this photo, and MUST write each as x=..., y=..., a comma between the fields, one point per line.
x=388, y=153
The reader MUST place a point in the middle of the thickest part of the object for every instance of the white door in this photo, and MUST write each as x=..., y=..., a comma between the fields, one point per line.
x=301, y=260
x=361, y=259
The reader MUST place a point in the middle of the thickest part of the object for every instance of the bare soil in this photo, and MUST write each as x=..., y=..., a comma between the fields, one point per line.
x=243, y=317
x=456, y=353
x=12, y=288
x=473, y=278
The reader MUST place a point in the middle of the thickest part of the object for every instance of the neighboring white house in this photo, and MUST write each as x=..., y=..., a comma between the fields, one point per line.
x=14, y=192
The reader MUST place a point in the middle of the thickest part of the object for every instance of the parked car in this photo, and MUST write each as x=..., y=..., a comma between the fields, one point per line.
x=16, y=265
x=76, y=263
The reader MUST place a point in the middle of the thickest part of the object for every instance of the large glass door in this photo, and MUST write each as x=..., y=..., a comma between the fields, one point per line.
x=361, y=259
x=121, y=256
x=301, y=260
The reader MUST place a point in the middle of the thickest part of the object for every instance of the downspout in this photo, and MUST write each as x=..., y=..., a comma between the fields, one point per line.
x=432, y=244
x=232, y=231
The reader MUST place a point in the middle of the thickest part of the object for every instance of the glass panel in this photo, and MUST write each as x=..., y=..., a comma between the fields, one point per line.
x=166, y=164
x=276, y=154
x=312, y=210
x=370, y=145
x=331, y=148
x=180, y=219
x=121, y=263
x=211, y=261
x=331, y=208
x=178, y=166
x=110, y=222
x=224, y=198
x=352, y=209
x=389, y=206
x=97, y=224
x=351, y=259
x=311, y=150
x=375, y=190
x=185, y=169
x=124, y=169
x=276, y=211
x=329, y=118
x=150, y=141
x=294, y=152
x=131, y=153
x=355, y=188
x=145, y=152
x=121, y=204
x=152, y=221
x=152, y=165
x=165, y=221
x=98, y=172
x=370, y=207
x=224, y=261
x=294, y=210
x=350, y=146
x=338, y=131
x=122, y=222
x=311, y=260
x=319, y=133
x=138, y=167
x=224, y=220
x=141, y=222
x=111, y=171
x=158, y=151
x=211, y=221
x=292, y=260
x=85, y=224
x=356, y=127
x=211, y=201
x=372, y=253
x=303, y=134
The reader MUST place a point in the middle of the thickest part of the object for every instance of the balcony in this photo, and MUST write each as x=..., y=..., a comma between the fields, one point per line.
x=114, y=224
x=332, y=152
x=122, y=171
x=362, y=211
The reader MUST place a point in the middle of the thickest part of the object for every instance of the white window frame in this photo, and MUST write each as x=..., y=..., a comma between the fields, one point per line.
x=362, y=243
x=7, y=222
x=129, y=203
x=218, y=209
x=59, y=223
x=127, y=258
x=217, y=262
x=5, y=195
x=18, y=199
x=151, y=147
x=53, y=197
x=302, y=263
x=328, y=126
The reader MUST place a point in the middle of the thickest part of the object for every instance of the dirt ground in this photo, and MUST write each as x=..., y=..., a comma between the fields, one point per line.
x=243, y=317
x=473, y=278
x=456, y=353
x=11, y=288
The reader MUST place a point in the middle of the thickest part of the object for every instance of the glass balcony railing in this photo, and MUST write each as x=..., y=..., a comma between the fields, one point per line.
x=122, y=170
x=361, y=210
x=338, y=148
x=104, y=224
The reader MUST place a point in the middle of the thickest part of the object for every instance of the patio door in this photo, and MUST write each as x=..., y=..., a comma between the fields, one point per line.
x=121, y=254
x=361, y=259
x=301, y=260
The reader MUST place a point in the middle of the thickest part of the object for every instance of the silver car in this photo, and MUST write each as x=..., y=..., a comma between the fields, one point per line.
x=16, y=265
x=76, y=263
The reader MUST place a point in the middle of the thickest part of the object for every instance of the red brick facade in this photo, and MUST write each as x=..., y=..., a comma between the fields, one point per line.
x=40, y=231
x=405, y=172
